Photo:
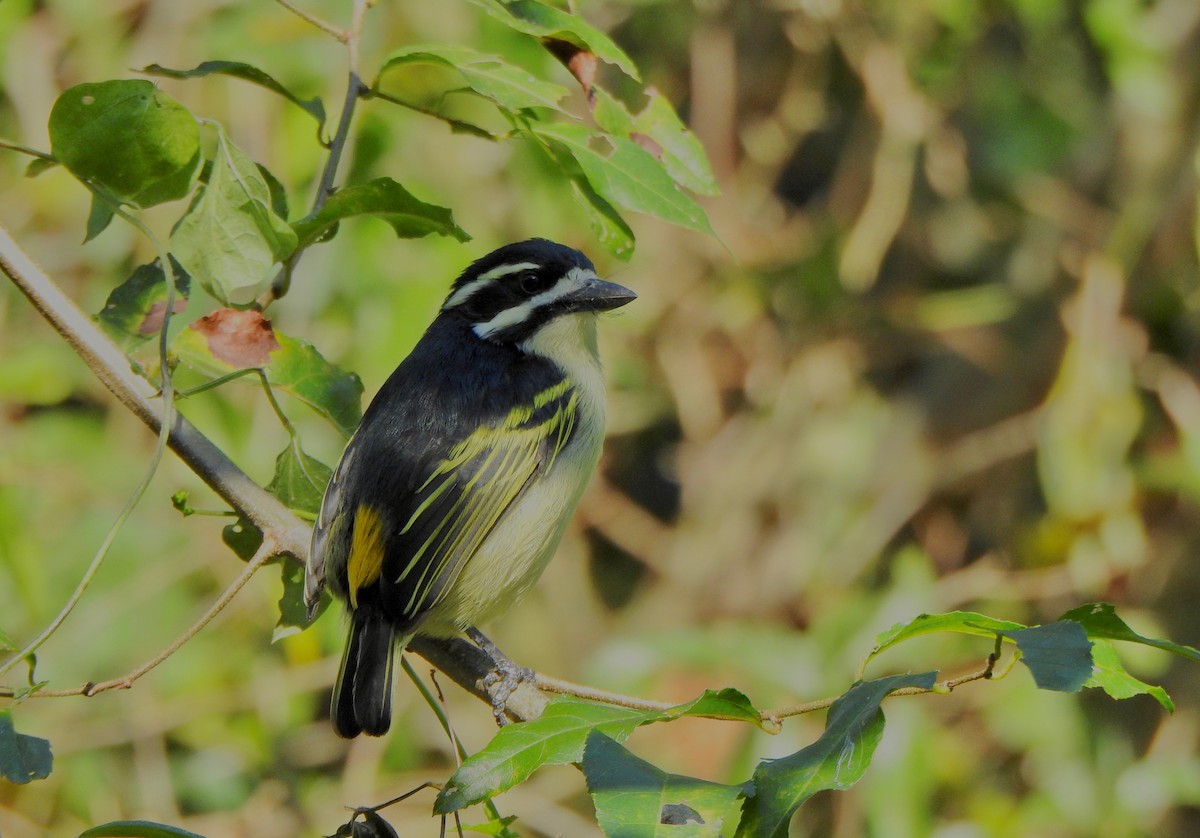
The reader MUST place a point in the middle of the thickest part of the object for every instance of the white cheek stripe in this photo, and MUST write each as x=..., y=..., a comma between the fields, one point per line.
x=573, y=281
x=463, y=294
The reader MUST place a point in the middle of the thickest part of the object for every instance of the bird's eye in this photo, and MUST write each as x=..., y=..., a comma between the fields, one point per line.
x=533, y=282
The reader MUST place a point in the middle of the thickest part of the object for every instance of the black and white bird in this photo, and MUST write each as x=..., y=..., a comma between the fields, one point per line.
x=455, y=490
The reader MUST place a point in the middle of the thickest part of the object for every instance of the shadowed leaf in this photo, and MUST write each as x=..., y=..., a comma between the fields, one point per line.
x=236, y=69
x=134, y=310
x=1058, y=654
x=137, y=829
x=384, y=199
x=22, y=758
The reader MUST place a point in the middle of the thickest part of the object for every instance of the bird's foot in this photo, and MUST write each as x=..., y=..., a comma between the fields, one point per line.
x=504, y=678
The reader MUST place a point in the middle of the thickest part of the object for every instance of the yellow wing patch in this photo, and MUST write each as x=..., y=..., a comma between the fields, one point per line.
x=503, y=459
x=366, y=551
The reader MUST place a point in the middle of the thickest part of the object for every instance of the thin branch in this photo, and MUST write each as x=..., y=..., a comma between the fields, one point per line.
x=266, y=552
x=328, y=28
x=549, y=684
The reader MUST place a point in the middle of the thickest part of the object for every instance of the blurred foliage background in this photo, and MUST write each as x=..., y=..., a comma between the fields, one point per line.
x=943, y=357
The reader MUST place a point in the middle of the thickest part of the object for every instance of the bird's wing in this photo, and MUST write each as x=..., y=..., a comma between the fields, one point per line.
x=415, y=545
x=330, y=545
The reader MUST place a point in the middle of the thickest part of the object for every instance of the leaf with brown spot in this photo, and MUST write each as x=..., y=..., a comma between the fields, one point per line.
x=227, y=340
x=582, y=63
x=134, y=310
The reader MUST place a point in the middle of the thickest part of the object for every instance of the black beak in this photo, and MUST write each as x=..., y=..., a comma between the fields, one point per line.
x=597, y=294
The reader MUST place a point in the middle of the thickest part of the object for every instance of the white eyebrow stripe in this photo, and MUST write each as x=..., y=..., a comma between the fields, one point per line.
x=463, y=294
x=510, y=317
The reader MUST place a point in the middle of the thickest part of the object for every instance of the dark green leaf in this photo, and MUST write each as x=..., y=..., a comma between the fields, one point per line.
x=635, y=799
x=231, y=236
x=625, y=174
x=1059, y=654
x=236, y=69
x=293, y=611
x=1108, y=673
x=608, y=225
x=385, y=199
x=243, y=538
x=1099, y=619
x=99, y=217
x=558, y=736
x=508, y=86
x=137, y=829
x=542, y=21
x=299, y=480
x=22, y=758
x=299, y=369
x=835, y=761
x=660, y=130
x=134, y=310
x=962, y=622
x=128, y=139
x=38, y=165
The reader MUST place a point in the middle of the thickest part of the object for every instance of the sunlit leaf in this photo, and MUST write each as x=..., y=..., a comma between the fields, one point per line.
x=22, y=758
x=558, y=736
x=302, y=371
x=1058, y=654
x=835, y=761
x=231, y=236
x=607, y=224
x=635, y=799
x=236, y=69
x=625, y=174
x=227, y=340
x=128, y=139
x=509, y=86
x=299, y=480
x=1108, y=673
x=542, y=21
x=961, y=622
x=387, y=200
x=100, y=215
x=134, y=310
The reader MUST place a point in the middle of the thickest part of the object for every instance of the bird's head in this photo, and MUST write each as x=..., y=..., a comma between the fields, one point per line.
x=513, y=292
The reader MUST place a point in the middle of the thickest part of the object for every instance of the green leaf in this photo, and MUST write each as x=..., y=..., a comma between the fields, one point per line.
x=99, y=217
x=558, y=736
x=134, y=310
x=660, y=130
x=230, y=237
x=128, y=139
x=835, y=761
x=1099, y=619
x=299, y=480
x=608, y=225
x=625, y=174
x=498, y=827
x=508, y=86
x=1058, y=654
x=961, y=622
x=542, y=21
x=243, y=538
x=137, y=829
x=1108, y=673
x=246, y=72
x=385, y=199
x=635, y=799
x=293, y=611
x=300, y=370
x=22, y=758
x=38, y=165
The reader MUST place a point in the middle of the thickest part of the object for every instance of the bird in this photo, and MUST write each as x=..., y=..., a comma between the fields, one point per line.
x=455, y=489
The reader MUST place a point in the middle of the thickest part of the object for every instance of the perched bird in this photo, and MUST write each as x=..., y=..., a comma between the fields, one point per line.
x=453, y=493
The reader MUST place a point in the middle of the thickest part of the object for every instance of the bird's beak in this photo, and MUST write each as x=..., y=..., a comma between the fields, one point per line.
x=596, y=294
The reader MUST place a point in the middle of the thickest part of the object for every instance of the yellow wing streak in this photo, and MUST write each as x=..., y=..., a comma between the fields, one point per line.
x=366, y=551
x=504, y=458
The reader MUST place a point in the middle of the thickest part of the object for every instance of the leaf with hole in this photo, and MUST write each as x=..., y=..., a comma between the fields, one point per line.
x=127, y=139
x=635, y=799
x=22, y=758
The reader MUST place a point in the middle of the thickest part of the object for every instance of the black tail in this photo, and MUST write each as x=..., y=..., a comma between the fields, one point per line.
x=362, y=697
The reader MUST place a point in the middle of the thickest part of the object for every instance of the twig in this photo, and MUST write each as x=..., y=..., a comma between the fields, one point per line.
x=308, y=17
x=266, y=552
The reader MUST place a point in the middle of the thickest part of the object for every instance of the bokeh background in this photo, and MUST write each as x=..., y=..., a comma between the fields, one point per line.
x=942, y=357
